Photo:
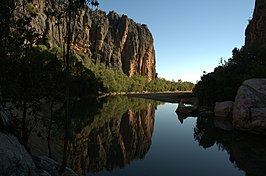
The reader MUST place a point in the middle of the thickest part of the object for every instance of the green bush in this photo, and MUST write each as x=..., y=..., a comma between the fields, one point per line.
x=222, y=84
x=117, y=81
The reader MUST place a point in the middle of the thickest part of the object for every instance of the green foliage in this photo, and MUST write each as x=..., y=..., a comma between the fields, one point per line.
x=31, y=73
x=27, y=80
x=117, y=81
x=31, y=8
x=113, y=107
x=83, y=81
x=223, y=83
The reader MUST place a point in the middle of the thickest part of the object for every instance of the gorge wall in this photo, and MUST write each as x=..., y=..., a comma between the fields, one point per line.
x=114, y=40
x=256, y=30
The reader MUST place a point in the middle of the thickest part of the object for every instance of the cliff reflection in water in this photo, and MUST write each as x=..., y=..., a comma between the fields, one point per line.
x=120, y=132
x=246, y=151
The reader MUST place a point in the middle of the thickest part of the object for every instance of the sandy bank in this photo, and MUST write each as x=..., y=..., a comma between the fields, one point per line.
x=171, y=97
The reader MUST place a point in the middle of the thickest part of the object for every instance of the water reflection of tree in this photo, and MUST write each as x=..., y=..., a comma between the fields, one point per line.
x=207, y=134
x=119, y=133
x=105, y=134
x=247, y=152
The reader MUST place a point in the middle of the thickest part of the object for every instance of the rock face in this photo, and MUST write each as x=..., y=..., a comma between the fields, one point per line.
x=249, y=112
x=256, y=30
x=14, y=159
x=223, y=109
x=49, y=167
x=4, y=120
x=116, y=41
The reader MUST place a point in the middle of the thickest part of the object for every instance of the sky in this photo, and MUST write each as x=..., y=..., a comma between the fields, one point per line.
x=190, y=36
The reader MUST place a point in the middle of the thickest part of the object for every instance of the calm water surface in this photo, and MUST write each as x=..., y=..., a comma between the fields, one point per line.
x=174, y=151
x=137, y=137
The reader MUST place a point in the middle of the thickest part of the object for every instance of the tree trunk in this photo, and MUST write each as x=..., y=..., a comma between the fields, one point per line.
x=24, y=125
x=49, y=129
x=67, y=75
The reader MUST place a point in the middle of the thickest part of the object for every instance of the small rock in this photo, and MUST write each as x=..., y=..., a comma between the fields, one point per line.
x=223, y=109
x=48, y=166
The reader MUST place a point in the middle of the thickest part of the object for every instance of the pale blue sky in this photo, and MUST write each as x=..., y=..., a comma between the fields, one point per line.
x=190, y=36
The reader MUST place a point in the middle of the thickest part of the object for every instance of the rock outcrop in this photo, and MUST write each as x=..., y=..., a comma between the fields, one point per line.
x=114, y=40
x=256, y=30
x=49, y=167
x=4, y=120
x=14, y=158
x=223, y=109
x=249, y=112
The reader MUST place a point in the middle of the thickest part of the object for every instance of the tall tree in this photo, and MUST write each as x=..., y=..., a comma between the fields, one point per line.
x=18, y=80
x=73, y=6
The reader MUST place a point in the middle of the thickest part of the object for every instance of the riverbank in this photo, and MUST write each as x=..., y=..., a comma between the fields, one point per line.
x=171, y=97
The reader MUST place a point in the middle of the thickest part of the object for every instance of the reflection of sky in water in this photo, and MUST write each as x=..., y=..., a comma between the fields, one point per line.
x=174, y=151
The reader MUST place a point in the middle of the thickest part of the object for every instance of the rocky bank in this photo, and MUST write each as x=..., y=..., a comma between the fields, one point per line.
x=16, y=159
x=248, y=112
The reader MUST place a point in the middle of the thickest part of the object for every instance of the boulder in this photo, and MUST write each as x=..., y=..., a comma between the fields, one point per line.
x=4, y=120
x=223, y=115
x=49, y=167
x=186, y=106
x=14, y=158
x=223, y=123
x=249, y=112
x=223, y=109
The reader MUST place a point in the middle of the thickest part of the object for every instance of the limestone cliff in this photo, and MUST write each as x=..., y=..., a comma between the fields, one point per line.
x=114, y=40
x=256, y=30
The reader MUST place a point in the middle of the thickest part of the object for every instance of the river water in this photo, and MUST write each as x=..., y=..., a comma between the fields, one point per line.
x=174, y=150
x=128, y=136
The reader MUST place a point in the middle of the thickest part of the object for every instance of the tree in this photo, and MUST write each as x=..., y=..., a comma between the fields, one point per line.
x=29, y=72
x=222, y=84
x=18, y=80
x=72, y=7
